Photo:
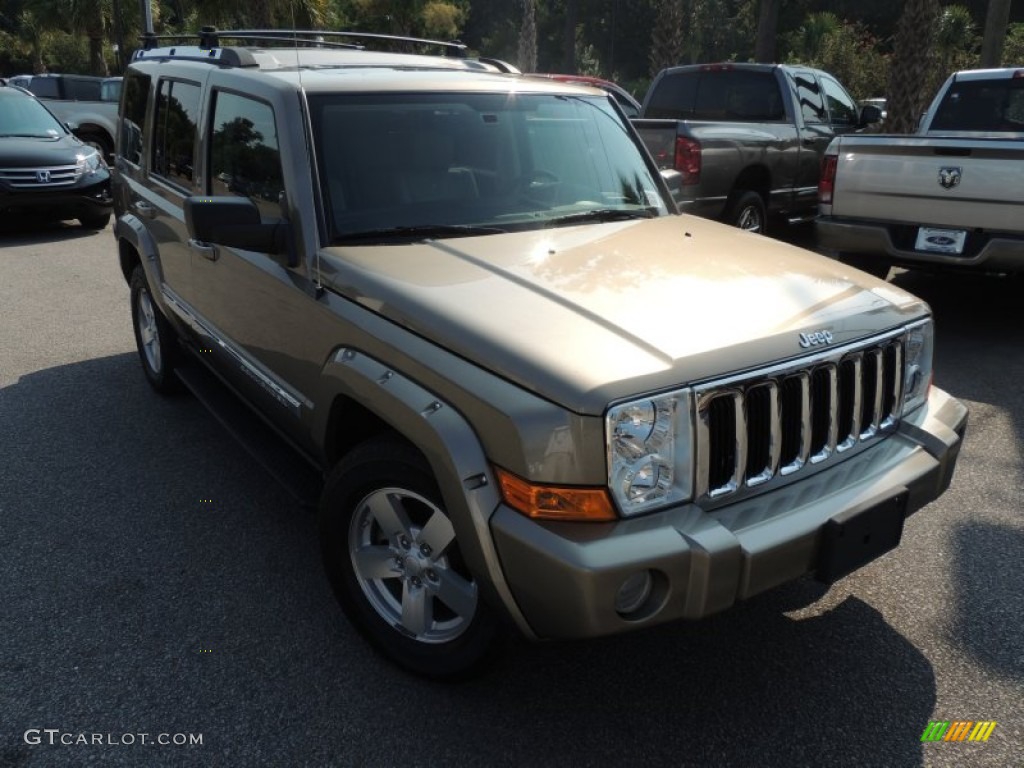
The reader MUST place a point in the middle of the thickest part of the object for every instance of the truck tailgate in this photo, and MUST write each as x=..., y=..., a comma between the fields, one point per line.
x=950, y=182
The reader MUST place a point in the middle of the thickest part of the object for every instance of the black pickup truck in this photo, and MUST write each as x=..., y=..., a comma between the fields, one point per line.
x=747, y=138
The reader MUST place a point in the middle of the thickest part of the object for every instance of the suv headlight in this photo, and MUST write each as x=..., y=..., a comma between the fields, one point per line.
x=650, y=450
x=917, y=364
x=89, y=164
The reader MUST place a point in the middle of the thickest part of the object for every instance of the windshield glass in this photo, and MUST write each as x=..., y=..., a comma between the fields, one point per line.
x=475, y=163
x=21, y=115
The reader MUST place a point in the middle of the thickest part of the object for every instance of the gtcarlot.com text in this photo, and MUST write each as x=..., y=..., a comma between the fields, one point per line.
x=55, y=737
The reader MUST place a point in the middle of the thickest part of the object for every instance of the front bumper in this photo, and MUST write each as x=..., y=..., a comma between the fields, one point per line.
x=894, y=243
x=564, y=576
x=65, y=203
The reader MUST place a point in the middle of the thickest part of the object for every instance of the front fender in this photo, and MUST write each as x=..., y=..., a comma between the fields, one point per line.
x=451, y=447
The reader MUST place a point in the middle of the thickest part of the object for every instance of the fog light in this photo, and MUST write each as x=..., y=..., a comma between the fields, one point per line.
x=633, y=593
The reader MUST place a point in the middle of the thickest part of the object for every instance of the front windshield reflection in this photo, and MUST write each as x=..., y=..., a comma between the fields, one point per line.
x=430, y=164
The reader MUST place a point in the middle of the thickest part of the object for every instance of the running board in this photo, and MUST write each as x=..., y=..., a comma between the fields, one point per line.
x=261, y=441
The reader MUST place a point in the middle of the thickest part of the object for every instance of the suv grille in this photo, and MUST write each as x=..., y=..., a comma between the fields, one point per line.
x=36, y=178
x=779, y=422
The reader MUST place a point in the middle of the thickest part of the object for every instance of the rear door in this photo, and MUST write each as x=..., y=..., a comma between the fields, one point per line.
x=815, y=129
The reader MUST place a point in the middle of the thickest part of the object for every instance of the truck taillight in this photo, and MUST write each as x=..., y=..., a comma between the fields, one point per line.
x=827, y=181
x=688, y=159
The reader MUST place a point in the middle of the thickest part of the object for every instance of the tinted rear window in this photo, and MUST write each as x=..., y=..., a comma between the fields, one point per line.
x=81, y=89
x=44, y=87
x=982, y=105
x=717, y=95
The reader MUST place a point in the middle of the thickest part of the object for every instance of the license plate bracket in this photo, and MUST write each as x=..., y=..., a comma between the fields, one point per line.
x=940, y=240
x=859, y=535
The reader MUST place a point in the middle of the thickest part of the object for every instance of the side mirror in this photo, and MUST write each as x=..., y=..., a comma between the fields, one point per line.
x=870, y=114
x=235, y=222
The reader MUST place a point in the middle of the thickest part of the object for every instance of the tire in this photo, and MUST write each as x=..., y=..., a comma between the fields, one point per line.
x=394, y=564
x=100, y=142
x=94, y=220
x=154, y=337
x=747, y=212
x=875, y=266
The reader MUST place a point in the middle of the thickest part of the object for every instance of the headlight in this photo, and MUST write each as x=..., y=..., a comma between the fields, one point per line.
x=917, y=364
x=650, y=448
x=87, y=165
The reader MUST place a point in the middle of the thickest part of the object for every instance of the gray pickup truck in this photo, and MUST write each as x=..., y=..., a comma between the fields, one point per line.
x=747, y=138
x=88, y=104
x=524, y=390
x=950, y=197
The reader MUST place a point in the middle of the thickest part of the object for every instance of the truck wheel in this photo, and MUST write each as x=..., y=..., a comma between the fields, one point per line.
x=390, y=552
x=876, y=266
x=747, y=212
x=100, y=142
x=95, y=220
x=154, y=338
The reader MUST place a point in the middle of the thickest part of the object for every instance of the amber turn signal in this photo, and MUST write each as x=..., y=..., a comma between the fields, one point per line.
x=549, y=502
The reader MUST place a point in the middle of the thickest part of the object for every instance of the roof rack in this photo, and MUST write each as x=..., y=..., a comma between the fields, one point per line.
x=211, y=37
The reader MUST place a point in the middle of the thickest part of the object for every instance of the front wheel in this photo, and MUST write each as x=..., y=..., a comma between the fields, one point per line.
x=154, y=337
x=747, y=212
x=391, y=555
x=94, y=220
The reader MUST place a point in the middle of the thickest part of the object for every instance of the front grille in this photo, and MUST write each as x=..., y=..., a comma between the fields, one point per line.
x=778, y=422
x=40, y=178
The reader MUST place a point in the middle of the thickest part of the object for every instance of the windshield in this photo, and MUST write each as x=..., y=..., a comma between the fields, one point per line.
x=440, y=164
x=22, y=115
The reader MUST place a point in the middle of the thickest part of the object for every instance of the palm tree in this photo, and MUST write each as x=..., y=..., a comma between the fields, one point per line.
x=528, y=38
x=911, y=65
x=667, y=39
x=767, y=26
x=996, y=20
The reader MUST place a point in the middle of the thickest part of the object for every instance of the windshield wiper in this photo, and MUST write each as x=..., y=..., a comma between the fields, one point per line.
x=603, y=214
x=421, y=231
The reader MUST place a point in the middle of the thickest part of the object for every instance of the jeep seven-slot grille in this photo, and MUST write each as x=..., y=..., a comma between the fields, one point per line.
x=778, y=422
x=40, y=178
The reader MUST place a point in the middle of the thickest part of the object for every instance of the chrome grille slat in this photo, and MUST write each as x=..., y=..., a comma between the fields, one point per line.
x=775, y=423
x=28, y=178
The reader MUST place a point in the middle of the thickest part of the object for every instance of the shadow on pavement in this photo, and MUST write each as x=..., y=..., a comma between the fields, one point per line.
x=118, y=580
x=990, y=600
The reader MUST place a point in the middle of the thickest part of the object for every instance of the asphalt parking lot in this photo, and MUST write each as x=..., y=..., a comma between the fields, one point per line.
x=155, y=581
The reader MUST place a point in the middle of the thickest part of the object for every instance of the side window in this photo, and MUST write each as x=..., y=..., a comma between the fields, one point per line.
x=244, y=155
x=174, y=131
x=44, y=87
x=840, y=105
x=133, y=115
x=82, y=89
x=812, y=105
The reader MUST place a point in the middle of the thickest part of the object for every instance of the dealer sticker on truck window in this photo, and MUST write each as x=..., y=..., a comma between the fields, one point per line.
x=940, y=240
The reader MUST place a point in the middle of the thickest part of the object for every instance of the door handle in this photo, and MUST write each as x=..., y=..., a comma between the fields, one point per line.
x=206, y=250
x=145, y=209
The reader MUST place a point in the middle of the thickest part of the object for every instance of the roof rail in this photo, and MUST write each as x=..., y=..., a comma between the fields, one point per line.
x=211, y=37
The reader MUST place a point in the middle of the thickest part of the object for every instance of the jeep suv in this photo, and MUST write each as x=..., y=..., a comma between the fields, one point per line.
x=530, y=392
x=44, y=169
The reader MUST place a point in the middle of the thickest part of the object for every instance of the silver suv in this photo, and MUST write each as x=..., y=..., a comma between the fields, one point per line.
x=529, y=392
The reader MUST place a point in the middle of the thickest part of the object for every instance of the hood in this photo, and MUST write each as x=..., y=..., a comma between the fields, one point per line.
x=589, y=314
x=18, y=152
